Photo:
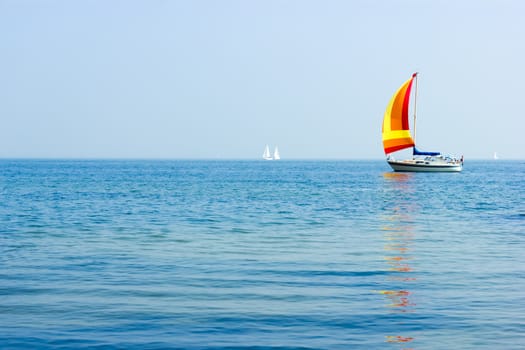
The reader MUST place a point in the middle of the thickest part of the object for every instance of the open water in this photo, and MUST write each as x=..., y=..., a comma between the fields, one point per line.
x=260, y=255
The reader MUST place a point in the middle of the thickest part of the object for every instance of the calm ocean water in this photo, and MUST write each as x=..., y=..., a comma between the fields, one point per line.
x=260, y=255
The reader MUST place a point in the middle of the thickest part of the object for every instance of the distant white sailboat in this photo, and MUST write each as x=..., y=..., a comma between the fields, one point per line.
x=266, y=154
x=276, y=154
x=496, y=156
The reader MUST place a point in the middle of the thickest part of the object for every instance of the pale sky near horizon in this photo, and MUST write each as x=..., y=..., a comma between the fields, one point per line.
x=221, y=79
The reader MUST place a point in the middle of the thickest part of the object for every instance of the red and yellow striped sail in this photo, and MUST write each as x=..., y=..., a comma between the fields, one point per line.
x=396, y=130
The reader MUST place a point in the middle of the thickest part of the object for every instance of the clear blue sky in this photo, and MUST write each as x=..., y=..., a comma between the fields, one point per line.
x=221, y=79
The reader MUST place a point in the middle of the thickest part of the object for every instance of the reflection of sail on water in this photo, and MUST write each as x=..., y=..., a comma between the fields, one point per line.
x=398, y=233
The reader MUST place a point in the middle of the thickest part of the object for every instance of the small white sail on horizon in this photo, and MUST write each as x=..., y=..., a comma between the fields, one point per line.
x=496, y=156
x=266, y=154
x=276, y=154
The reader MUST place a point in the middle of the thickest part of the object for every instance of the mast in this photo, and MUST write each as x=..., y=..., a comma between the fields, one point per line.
x=415, y=105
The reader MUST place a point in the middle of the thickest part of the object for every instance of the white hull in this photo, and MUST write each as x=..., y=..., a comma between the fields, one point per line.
x=425, y=166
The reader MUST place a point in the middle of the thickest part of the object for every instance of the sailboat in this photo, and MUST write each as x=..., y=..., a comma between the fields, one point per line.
x=266, y=154
x=276, y=154
x=396, y=137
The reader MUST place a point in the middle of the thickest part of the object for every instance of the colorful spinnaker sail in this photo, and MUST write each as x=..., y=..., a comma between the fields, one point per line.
x=396, y=130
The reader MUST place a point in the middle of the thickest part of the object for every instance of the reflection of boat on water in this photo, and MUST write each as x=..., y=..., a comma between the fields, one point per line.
x=396, y=137
x=397, y=177
x=398, y=229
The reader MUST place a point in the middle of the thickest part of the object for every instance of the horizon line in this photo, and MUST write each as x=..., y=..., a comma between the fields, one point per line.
x=228, y=158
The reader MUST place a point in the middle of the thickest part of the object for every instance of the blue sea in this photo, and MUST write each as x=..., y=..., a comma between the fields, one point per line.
x=134, y=254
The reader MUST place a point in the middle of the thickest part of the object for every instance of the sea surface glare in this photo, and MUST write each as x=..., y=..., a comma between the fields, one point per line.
x=260, y=255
